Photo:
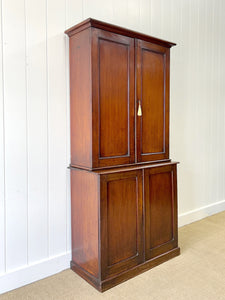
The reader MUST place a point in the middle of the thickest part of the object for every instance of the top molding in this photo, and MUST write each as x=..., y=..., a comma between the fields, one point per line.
x=116, y=29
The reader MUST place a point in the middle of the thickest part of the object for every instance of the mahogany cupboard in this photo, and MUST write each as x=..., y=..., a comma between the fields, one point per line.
x=123, y=183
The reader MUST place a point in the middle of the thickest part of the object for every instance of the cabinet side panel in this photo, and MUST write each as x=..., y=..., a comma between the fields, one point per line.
x=84, y=219
x=80, y=99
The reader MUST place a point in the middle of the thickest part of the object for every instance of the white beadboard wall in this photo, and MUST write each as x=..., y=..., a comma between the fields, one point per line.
x=34, y=118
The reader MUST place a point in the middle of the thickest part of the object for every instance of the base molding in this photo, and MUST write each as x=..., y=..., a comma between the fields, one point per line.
x=200, y=213
x=121, y=277
x=27, y=274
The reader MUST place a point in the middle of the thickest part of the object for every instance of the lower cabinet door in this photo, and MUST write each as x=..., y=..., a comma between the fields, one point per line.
x=121, y=215
x=160, y=210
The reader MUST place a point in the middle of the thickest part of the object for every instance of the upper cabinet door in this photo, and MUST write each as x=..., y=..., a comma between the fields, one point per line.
x=112, y=99
x=152, y=101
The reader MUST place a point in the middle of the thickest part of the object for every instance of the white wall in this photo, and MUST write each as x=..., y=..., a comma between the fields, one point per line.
x=34, y=124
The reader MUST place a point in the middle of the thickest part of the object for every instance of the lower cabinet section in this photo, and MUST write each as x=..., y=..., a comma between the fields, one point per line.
x=124, y=221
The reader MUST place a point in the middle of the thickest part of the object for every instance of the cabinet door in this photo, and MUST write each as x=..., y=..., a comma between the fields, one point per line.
x=160, y=210
x=112, y=98
x=121, y=222
x=152, y=94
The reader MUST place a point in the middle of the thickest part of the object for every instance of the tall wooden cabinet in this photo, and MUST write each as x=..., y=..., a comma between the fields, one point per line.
x=123, y=183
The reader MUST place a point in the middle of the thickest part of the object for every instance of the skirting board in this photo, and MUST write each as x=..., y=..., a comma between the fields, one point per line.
x=39, y=270
x=200, y=213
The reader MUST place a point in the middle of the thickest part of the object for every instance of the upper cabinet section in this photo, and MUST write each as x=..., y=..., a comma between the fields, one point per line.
x=119, y=93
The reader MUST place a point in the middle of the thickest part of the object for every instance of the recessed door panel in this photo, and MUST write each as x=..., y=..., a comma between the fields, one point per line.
x=160, y=210
x=113, y=99
x=121, y=208
x=152, y=81
x=122, y=214
x=152, y=129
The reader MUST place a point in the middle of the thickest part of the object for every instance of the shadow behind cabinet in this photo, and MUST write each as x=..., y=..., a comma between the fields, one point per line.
x=123, y=184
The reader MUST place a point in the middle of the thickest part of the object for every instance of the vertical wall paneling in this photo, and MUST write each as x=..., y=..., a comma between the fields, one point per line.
x=221, y=63
x=119, y=11
x=37, y=130
x=15, y=132
x=156, y=18
x=167, y=19
x=213, y=101
x=176, y=82
x=57, y=126
x=185, y=65
x=192, y=80
x=74, y=12
x=206, y=88
x=2, y=156
x=98, y=9
x=219, y=117
x=145, y=10
x=179, y=90
x=210, y=89
x=133, y=15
